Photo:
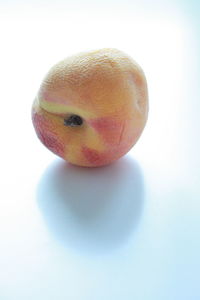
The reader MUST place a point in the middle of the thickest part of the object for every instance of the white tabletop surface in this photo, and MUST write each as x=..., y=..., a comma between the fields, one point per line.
x=127, y=231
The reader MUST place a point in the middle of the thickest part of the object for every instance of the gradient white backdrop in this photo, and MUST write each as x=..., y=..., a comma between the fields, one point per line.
x=130, y=230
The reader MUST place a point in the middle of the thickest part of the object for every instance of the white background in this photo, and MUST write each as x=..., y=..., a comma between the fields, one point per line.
x=130, y=230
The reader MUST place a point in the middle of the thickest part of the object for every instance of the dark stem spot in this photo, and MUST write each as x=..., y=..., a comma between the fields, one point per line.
x=73, y=121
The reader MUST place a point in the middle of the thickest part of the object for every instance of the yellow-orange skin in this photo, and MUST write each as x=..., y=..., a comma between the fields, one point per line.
x=108, y=90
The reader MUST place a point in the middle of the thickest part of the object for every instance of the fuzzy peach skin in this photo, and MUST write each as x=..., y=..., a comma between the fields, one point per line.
x=108, y=90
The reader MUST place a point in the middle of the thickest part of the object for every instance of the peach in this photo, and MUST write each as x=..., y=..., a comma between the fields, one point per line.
x=92, y=107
